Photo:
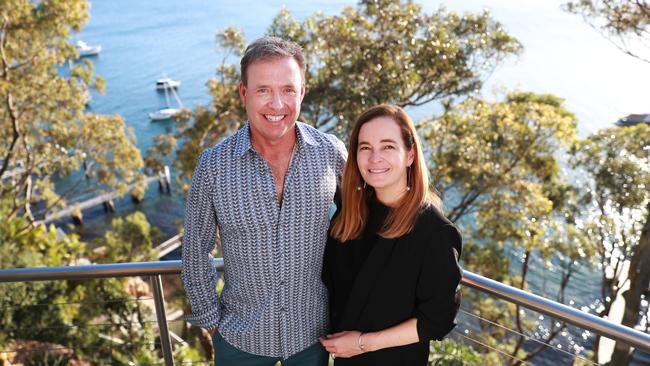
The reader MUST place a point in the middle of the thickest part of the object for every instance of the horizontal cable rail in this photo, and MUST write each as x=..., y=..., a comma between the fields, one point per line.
x=534, y=302
x=552, y=308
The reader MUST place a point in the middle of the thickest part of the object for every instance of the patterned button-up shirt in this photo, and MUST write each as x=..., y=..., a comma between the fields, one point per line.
x=273, y=302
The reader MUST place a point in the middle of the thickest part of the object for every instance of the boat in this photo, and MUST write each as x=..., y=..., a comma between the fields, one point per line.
x=167, y=112
x=85, y=49
x=166, y=82
x=633, y=119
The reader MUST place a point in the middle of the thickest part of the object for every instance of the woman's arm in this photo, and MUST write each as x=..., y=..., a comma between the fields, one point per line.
x=351, y=343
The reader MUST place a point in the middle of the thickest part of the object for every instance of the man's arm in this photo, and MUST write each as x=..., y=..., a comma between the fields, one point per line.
x=198, y=274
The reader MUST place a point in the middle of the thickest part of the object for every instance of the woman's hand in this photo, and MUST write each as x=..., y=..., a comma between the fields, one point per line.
x=342, y=344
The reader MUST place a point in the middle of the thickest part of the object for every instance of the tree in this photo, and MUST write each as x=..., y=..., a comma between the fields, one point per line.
x=45, y=132
x=626, y=23
x=615, y=214
x=34, y=248
x=385, y=51
x=46, y=135
x=494, y=165
x=97, y=321
x=390, y=51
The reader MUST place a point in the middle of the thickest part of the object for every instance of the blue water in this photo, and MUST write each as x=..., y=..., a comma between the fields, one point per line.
x=142, y=40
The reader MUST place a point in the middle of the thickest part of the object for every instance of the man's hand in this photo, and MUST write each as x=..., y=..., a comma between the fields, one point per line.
x=212, y=331
x=342, y=344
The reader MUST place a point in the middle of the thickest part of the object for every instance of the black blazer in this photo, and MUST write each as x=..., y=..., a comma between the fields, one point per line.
x=416, y=275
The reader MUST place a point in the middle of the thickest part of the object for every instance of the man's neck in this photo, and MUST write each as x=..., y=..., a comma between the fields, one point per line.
x=270, y=149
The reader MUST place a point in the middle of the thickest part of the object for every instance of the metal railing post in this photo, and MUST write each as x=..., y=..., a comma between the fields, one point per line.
x=161, y=316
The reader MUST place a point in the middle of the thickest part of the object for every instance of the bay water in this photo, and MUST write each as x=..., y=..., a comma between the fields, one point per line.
x=144, y=40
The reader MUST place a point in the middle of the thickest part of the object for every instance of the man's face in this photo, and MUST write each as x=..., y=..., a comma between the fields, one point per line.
x=272, y=97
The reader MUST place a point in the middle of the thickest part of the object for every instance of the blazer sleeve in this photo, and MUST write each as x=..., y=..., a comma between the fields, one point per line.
x=328, y=260
x=437, y=296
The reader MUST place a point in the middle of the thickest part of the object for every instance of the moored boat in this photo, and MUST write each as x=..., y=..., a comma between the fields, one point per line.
x=85, y=49
x=166, y=82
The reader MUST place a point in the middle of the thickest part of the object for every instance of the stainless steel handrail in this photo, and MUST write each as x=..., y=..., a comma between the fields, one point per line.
x=537, y=303
x=559, y=311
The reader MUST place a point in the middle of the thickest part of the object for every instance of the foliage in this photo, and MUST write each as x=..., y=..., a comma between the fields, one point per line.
x=614, y=202
x=128, y=240
x=90, y=316
x=45, y=132
x=495, y=166
x=385, y=51
x=625, y=22
x=451, y=353
x=495, y=162
x=390, y=51
x=21, y=314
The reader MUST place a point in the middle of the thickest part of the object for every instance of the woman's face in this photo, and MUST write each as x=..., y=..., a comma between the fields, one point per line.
x=383, y=158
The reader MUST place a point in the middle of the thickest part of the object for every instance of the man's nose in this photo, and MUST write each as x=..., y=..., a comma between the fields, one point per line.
x=276, y=101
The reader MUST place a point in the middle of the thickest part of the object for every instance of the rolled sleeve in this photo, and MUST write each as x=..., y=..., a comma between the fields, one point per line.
x=437, y=297
x=199, y=238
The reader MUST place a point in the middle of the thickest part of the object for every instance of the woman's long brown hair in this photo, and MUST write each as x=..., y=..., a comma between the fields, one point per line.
x=352, y=219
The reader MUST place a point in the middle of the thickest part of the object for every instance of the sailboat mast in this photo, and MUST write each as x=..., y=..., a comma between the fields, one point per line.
x=178, y=100
x=167, y=95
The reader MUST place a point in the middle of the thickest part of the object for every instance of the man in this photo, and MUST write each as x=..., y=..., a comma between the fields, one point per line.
x=268, y=188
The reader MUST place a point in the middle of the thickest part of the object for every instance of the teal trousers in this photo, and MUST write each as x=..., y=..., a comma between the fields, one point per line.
x=227, y=355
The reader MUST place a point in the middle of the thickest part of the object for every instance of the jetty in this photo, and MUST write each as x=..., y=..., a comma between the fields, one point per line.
x=163, y=178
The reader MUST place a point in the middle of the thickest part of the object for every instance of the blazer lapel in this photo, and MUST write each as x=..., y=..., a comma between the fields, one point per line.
x=366, y=280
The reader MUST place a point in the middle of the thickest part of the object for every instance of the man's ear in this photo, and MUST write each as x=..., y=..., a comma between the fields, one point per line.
x=303, y=91
x=242, y=92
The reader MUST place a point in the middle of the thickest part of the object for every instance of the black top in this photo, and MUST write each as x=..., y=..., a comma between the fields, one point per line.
x=376, y=283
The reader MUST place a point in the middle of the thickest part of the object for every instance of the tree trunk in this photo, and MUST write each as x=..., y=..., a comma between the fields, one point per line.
x=639, y=276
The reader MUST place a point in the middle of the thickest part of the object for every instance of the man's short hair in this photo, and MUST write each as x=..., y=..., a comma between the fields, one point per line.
x=268, y=48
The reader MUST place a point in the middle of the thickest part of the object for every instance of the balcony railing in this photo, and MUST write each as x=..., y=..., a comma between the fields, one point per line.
x=155, y=270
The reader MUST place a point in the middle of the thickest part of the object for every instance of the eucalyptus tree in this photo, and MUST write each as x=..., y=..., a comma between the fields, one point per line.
x=45, y=131
x=615, y=214
x=495, y=166
x=626, y=23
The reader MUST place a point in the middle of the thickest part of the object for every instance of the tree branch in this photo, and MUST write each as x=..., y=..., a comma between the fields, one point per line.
x=10, y=108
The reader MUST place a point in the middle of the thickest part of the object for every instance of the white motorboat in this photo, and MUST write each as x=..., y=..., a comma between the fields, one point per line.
x=165, y=113
x=85, y=49
x=166, y=82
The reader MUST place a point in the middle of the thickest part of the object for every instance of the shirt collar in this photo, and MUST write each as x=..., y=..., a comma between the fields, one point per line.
x=243, y=138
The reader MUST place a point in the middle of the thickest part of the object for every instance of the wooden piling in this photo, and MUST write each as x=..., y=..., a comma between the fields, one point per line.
x=168, y=179
x=164, y=184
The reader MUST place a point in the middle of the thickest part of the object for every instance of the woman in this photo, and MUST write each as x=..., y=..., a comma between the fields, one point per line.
x=391, y=261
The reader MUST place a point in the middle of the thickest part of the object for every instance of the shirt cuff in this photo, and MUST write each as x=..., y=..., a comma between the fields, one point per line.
x=207, y=319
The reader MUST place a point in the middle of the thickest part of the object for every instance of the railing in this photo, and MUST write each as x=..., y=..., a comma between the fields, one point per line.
x=155, y=270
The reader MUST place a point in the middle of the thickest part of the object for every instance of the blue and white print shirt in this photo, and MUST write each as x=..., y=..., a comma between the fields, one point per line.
x=273, y=302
